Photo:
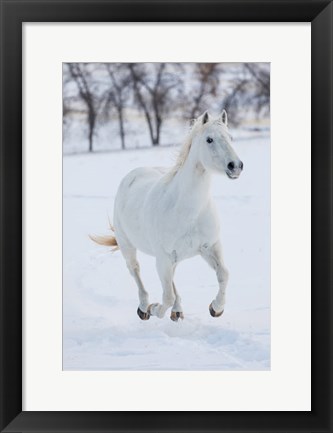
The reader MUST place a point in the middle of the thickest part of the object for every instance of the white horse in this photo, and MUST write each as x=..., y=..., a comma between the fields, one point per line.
x=170, y=214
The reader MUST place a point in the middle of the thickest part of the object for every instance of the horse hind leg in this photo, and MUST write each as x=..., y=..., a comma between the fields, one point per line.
x=177, y=310
x=133, y=266
x=165, y=269
x=142, y=310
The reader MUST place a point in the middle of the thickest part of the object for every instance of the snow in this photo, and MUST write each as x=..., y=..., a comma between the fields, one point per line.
x=101, y=330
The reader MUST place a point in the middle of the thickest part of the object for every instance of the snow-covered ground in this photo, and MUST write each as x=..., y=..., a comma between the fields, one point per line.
x=101, y=330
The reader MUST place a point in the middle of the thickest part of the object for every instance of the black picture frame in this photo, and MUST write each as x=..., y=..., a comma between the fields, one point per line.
x=13, y=14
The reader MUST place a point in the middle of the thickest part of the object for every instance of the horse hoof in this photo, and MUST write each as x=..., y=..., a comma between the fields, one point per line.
x=150, y=309
x=176, y=315
x=213, y=313
x=142, y=315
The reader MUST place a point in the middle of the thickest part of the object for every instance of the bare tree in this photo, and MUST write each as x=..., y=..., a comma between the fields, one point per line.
x=155, y=91
x=249, y=89
x=207, y=78
x=260, y=73
x=67, y=100
x=158, y=91
x=81, y=76
x=118, y=94
x=234, y=99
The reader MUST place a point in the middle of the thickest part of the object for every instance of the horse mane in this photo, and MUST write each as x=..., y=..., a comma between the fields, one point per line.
x=186, y=146
x=185, y=149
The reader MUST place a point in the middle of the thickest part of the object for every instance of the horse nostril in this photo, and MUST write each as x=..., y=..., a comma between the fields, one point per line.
x=241, y=165
x=231, y=165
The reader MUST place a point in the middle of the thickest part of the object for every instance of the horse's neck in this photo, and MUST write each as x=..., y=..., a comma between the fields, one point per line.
x=193, y=182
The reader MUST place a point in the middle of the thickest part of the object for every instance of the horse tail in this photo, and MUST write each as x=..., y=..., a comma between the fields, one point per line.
x=106, y=240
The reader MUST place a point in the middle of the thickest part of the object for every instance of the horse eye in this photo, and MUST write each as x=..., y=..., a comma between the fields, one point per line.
x=209, y=140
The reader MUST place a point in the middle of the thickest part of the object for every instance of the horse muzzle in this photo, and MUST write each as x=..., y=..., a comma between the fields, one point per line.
x=234, y=169
x=233, y=174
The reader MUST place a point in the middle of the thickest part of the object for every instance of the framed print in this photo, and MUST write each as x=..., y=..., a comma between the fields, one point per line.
x=234, y=102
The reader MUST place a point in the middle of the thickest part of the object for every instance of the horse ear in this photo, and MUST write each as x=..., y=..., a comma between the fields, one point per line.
x=205, y=117
x=224, y=117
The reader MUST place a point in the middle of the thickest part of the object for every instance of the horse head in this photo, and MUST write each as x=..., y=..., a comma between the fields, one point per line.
x=213, y=144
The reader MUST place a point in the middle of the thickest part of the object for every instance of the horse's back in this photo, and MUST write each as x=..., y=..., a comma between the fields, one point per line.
x=136, y=184
x=129, y=203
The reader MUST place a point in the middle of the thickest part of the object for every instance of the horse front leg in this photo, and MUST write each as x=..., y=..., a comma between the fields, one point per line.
x=213, y=256
x=165, y=268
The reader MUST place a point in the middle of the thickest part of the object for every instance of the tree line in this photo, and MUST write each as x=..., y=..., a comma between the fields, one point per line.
x=160, y=90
